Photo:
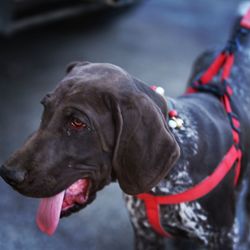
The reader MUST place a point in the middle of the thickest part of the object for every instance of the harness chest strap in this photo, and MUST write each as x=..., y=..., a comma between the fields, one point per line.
x=152, y=202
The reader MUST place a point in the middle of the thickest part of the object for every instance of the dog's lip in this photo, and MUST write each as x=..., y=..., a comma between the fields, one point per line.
x=75, y=195
x=87, y=196
x=76, y=208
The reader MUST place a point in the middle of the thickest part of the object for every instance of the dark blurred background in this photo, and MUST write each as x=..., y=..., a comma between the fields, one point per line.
x=155, y=40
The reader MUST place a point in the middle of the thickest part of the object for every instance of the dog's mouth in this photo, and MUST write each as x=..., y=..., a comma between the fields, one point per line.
x=68, y=201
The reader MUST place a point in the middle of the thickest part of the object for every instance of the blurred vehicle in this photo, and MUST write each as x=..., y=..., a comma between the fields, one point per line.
x=18, y=13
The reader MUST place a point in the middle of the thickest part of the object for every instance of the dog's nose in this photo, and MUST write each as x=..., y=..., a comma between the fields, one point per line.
x=12, y=177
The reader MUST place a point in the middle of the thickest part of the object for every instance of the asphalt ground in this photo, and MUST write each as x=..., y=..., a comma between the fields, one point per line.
x=156, y=41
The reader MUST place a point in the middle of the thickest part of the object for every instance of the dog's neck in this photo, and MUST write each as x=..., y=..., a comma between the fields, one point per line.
x=180, y=178
x=192, y=140
x=187, y=138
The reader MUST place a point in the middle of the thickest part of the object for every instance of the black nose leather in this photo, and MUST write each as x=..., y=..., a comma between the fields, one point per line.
x=12, y=176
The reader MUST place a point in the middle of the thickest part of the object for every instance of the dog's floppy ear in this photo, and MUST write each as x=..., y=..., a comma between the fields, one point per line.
x=145, y=149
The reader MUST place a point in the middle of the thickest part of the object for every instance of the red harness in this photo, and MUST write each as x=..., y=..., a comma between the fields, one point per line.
x=223, y=63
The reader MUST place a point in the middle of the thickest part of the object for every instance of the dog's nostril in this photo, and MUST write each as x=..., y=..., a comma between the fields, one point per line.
x=12, y=176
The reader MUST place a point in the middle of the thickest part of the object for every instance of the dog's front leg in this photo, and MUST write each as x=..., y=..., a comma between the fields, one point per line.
x=145, y=237
x=148, y=242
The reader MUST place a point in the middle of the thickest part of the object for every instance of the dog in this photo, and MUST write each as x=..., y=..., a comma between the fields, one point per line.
x=101, y=125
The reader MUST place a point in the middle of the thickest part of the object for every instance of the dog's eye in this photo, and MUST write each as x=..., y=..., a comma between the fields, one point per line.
x=77, y=123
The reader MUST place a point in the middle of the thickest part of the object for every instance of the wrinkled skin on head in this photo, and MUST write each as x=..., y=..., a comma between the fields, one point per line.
x=123, y=135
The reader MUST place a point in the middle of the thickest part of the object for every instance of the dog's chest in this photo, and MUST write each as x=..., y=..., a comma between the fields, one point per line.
x=186, y=219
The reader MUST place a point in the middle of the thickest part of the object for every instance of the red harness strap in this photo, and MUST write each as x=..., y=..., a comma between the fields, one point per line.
x=153, y=202
x=223, y=63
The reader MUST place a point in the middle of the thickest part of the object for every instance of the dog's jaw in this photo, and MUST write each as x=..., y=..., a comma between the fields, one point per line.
x=64, y=203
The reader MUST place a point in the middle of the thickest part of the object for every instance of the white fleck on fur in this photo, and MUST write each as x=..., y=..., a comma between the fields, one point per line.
x=234, y=234
x=176, y=182
x=191, y=216
x=133, y=205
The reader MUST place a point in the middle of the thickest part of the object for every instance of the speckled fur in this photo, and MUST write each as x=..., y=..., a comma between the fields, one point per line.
x=194, y=220
x=186, y=219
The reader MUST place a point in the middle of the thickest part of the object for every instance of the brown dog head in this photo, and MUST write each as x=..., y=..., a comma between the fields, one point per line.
x=97, y=125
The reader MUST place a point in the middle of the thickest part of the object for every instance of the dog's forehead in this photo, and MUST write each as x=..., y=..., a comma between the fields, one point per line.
x=91, y=80
x=102, y=77
x=96, y=73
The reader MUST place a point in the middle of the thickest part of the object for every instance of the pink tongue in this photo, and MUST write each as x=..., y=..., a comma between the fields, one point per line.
x=48, y=213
